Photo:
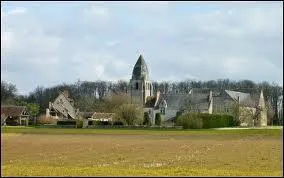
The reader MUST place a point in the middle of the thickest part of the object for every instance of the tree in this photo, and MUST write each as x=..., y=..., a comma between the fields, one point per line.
x=113, y=102
x=33, y=109
x=158, y=119
x=8, y=92
x=129, y=114
x=146, y=120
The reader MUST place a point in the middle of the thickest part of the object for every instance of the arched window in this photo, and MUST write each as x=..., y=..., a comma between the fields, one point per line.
x=136, y=86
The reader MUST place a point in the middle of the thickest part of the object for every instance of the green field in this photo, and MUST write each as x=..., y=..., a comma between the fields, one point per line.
x=28, y=151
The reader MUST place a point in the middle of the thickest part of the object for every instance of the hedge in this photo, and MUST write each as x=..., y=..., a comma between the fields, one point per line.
x=204, y=120
x=99, y=123
x=72, y=122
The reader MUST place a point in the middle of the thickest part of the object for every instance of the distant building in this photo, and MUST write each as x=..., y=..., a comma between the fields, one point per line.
x=252, y=111
x=62, y=107
x=14, y=115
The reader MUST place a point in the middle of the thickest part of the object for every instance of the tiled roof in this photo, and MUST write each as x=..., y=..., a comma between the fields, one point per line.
x=12, y=110
x=86, y=114
x=97, y=115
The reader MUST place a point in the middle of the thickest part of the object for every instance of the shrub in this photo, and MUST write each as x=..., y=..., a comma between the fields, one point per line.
x=190, y=121
x=204, y=120
x=46, y=120
x=79, y=123
x=179, y=113
x=67, y=122
x=217, y=120
x=146, y=120
x=100, y=123
x=129, y=114
x=117, y=123
x=158, y=119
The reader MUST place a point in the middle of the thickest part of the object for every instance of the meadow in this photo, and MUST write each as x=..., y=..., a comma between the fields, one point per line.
x=28, y=151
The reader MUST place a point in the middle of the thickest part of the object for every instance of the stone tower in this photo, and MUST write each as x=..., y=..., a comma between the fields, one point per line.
x=263, y=110
x=140, y=83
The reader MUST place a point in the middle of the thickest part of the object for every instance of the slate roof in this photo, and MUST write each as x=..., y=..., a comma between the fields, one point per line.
x=178, y=100
x=235, y=94
x=13, y=111
x=140, y=70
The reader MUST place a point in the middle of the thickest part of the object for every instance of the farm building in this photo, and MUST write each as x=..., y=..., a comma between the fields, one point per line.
x=62, y=107
x=14, y=115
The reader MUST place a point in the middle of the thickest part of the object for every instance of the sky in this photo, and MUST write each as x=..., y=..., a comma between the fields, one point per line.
x=50, y=43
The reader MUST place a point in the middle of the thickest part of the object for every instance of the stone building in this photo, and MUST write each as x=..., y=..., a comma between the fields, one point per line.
x=62, y=107
x=140, y=83
x=197, y=100
x=14, y=115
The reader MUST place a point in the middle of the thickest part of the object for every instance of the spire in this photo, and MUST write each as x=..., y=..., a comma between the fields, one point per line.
x=140, y=70
x=261, y=100
x=263, y=111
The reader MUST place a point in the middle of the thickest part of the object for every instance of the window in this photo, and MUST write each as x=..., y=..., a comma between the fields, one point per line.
x=162, y=111
x=136, y=86
x=226, y=109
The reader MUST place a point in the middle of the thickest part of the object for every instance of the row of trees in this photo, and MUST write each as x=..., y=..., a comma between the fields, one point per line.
x=92, y=96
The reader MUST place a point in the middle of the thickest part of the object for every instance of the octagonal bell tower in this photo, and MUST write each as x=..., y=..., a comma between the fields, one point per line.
x=140, y=83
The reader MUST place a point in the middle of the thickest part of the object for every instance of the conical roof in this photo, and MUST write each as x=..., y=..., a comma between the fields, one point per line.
x=140, y=70
x=261, y=100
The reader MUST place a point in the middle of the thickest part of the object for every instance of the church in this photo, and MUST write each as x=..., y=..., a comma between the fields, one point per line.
x=252, y=110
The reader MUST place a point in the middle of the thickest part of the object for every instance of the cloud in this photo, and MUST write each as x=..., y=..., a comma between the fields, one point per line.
x=17, y=11
x=96, y=10
x=48, y=44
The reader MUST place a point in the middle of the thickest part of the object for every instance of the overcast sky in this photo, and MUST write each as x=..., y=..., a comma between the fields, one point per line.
x=48, y=43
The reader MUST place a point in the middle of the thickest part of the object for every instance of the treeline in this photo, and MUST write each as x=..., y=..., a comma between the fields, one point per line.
x=89, y=96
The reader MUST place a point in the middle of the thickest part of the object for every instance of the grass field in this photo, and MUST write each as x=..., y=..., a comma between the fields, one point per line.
x=28, y=151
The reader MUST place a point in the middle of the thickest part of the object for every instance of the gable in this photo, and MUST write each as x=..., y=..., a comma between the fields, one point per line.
x=14, y=111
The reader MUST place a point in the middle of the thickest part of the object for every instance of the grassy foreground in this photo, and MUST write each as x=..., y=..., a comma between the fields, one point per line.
x=28, y=151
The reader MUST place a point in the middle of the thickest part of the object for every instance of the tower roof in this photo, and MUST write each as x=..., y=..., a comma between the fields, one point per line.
x=140, y=70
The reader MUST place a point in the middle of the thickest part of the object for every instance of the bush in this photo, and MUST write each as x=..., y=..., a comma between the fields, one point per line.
x=190, y=121
x=79, y=123
x=217, y=120
x=46, y=120
x=67, y=122
x=99, y=123
x=204, y=120
x=117, y=123
x=158, y=119
x=129, y=114
x=179, y=113
x=146, y=120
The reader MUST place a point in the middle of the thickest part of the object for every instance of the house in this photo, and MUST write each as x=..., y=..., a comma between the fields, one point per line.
x=197, y=100
x=14, y=115
x=102, y=116
x=62, y=107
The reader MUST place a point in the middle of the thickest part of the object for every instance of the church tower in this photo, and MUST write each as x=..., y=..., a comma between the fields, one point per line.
x=140, y=83
x=263, y=110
